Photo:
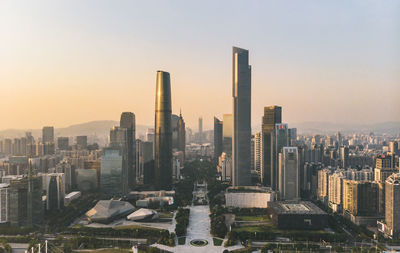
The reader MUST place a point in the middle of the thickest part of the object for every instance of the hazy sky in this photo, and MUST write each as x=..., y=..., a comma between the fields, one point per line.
x=67, y=62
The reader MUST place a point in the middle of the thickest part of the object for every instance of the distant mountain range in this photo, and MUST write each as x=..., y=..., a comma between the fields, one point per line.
x=99, y=128
x=392, y=127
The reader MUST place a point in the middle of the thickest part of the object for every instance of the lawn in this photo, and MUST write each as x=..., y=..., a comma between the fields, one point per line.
x=252, y=218
x=166, y=215
x=182, y=240
x=217, y=241
x=253, y=229
x=109, y=251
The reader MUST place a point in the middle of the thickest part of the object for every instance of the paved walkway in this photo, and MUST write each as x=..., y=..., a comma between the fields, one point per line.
x=199, y=228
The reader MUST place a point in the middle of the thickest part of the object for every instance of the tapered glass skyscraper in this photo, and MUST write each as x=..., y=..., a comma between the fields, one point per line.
x=163, y=134
x=241, y=89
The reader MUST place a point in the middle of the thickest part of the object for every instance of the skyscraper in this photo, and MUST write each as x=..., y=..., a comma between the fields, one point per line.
x=81, y=142
x=258, y=151
x=201, y=130
x=217, y=137
x=163, y=135
x=241, y=93
x=111, y=176
x=227, y=133
x=280, y=140
x=48, y=140
x=174, y=130
x=392, y=205
x=63, y=143
x=128, y=122
x=181, y=134
x=272, y=116
x=289, y=184
x=344, y=152
x=48, y=134
x=119, y=141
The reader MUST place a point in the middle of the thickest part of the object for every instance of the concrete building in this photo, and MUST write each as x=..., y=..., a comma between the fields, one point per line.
x=111, y=179
x=249, y=197
x=225, y=166
x=218, y=137
x=323, y=184
x=227, y=133
x=289, y=184
x=63, y=143
x=301, y=215
x=54, y=185
x=360, y=202
x=258, y=149
x=272, y=116
x=81, y=142
x=106, y=211
x=119, y=141
x=280, y=140
x=4, y=202
x=128, y=121
x=48, y=134
x=241, y=93
x=391, y=226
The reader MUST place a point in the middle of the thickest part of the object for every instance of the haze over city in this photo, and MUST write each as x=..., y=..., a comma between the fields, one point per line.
x=63, y=63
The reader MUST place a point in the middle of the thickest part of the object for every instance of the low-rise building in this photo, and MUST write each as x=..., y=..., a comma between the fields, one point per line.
x=249, y=197
x=301, y=215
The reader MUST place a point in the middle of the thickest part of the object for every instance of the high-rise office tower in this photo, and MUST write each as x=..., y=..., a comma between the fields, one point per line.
x=55, y=190
x=150, y=134
x=339, y=139
x=289, y=185
x=81, y=142
x=63, y=143
x=272, y=116
x=111, y=176
x=241, y=93
x=128, y=122
x=292, y=136
x=48, y=134
x=200, y=130
x=163, y=135
x=181, y=134
x=394, y=147
x=4, y=202
x=344, y=151
x=217, y=137
x=48, y=140
x=119, y=141
x=258, y=151
x=280, y=140
x=392, y=206
x=174, y=130
x=227, y=134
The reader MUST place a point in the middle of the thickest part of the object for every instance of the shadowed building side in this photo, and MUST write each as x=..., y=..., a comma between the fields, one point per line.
x=241, y=150
x=163, y=134
x=128, y=122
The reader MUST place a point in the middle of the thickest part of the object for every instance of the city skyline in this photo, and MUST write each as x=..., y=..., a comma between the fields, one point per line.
x=300, y=61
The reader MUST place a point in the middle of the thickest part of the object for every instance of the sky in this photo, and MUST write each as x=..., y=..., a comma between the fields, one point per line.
x=69, y=62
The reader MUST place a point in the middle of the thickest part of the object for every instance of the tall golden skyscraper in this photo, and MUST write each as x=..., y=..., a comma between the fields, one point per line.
x=163, y=133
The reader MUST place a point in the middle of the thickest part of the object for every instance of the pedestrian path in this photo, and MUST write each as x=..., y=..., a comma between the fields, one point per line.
x=198, y=228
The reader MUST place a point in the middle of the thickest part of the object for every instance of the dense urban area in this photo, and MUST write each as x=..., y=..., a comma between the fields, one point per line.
x=172, y=189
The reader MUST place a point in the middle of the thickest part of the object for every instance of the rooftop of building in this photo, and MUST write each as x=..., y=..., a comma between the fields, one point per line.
x=248, y=189
x=295, y=207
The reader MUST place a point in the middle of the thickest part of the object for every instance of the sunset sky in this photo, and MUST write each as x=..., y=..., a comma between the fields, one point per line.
x=68, y=62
